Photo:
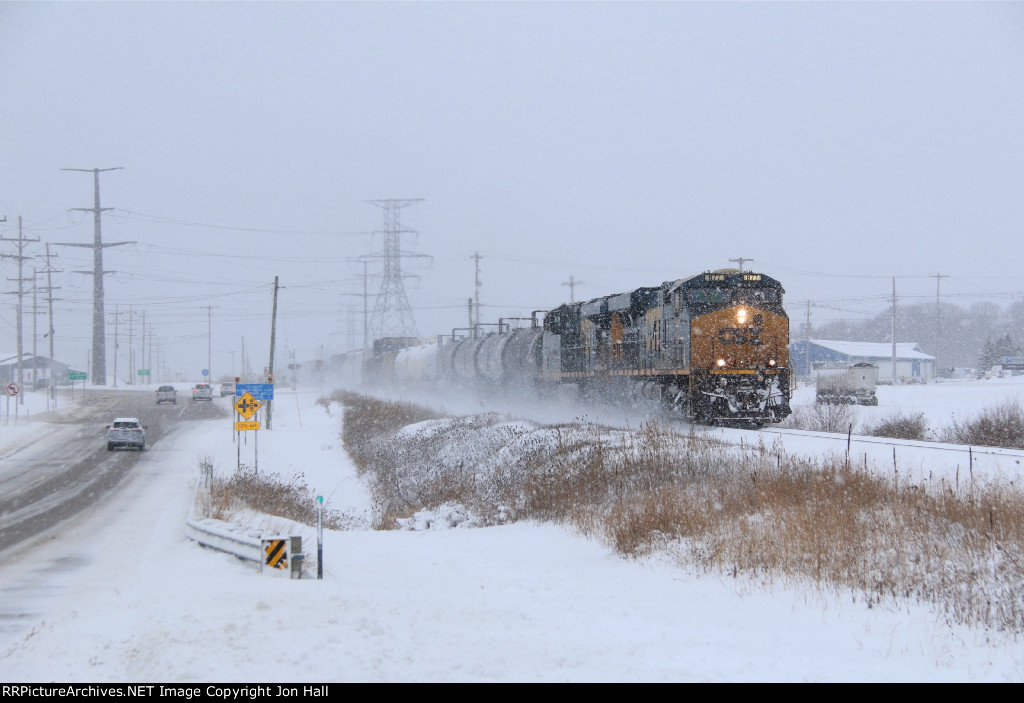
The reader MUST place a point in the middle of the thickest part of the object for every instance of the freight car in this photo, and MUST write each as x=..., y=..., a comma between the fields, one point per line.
x=712, y=347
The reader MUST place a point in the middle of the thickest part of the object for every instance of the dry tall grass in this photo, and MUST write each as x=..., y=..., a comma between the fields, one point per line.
x=754, y=511
x=1001, y=426
x=900, y=425
x=269, y=493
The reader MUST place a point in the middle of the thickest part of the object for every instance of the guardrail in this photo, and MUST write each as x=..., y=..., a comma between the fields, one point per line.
x=246, y=543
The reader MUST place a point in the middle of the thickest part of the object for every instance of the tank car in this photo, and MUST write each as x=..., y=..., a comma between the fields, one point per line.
x=503, y=362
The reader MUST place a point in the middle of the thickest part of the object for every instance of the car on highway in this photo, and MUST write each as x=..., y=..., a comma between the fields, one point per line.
x=227, y=389
x=166, y=394
x=202, y=391
x=126, y=432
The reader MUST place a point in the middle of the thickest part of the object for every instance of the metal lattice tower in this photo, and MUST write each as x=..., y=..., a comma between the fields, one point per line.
x=392, y=316
x=99, y=340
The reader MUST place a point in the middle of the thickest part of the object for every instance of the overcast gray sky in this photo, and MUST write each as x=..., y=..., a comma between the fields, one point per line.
x=623, y=144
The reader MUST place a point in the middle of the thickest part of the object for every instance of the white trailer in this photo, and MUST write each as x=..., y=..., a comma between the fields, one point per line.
x=852, y=384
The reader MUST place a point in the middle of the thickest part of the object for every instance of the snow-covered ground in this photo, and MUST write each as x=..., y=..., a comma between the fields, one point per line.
x=125, y=596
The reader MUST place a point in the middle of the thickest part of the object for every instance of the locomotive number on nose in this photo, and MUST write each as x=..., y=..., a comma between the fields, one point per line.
x=740, y=335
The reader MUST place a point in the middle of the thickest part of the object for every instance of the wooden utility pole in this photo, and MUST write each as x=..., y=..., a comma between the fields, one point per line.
x=270, y=367
x=938, y=318
x=741, y=261
x=20, y=258
x=807, y=345
x=50, y=385
x=572, y=283
x=894, y=331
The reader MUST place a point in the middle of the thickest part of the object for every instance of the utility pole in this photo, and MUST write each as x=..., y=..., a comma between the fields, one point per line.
x=476, y=285
x=142, y=357
x=209, y=342
x=270, y=368
x=741, y=261
x=50, y=387
x=20, y=258
x=366, y=297
x=35, y=331
x=807, y=344
x=894, y=331
x=116, y=315
x=938, y=317
x=99, y=355
x=131, y=348
x=572, y=283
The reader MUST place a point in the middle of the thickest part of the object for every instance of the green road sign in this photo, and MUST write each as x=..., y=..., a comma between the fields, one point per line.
x=77, y=375
x=143, y=372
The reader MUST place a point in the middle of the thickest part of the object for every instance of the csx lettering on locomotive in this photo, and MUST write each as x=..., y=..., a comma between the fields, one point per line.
x=739, y=335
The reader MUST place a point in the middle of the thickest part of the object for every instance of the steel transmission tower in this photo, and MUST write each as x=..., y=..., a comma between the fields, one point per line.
x=99, y=340
x=392, y=316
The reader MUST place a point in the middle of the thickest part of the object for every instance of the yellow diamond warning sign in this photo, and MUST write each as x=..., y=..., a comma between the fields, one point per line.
x=247, y=406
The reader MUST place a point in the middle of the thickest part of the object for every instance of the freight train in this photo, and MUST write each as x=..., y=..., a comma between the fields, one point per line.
x=712, y=348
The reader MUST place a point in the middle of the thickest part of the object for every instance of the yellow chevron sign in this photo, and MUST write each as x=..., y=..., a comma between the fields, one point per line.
x=243, y=426
x=275, y=553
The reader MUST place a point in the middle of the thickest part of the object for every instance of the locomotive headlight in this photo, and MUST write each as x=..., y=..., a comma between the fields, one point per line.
x=772, y=361
x=741, y=316
x=720, y=363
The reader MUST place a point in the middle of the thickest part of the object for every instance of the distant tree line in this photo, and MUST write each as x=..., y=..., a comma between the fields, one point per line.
x=976, y=337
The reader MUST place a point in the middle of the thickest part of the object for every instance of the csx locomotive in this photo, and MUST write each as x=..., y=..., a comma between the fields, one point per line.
x=713, y=347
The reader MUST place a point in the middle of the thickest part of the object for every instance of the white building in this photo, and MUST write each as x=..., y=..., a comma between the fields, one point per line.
x=912, y=364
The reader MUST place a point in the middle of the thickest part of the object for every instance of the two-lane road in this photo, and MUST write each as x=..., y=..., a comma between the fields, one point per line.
x=67, y=468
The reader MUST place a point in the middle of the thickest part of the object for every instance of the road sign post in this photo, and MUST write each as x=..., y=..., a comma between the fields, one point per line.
x=319, y=537
x=247, y=406
x=77, y=376
x=12, y=392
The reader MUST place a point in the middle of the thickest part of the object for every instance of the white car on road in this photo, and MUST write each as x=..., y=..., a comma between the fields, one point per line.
x=126, y=432
x=202, y=391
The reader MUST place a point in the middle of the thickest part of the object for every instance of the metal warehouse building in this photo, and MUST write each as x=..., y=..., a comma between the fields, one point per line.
x=912, y=364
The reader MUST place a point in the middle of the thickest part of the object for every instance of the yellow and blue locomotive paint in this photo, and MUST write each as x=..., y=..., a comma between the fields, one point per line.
x=714, y=346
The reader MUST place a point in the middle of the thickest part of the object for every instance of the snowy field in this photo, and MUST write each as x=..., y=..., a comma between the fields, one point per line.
x=124, y=596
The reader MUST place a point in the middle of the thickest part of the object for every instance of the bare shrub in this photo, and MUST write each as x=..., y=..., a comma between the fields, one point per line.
x=266, y=493
x=821, y=417
x=900, y=426
x=366, y=419
x=1001, y=426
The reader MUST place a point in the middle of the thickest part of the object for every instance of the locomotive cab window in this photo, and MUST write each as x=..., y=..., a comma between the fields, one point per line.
x=759, y=295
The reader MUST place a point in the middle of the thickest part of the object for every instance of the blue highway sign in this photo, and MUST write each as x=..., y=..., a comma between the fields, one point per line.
x=259, y=391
